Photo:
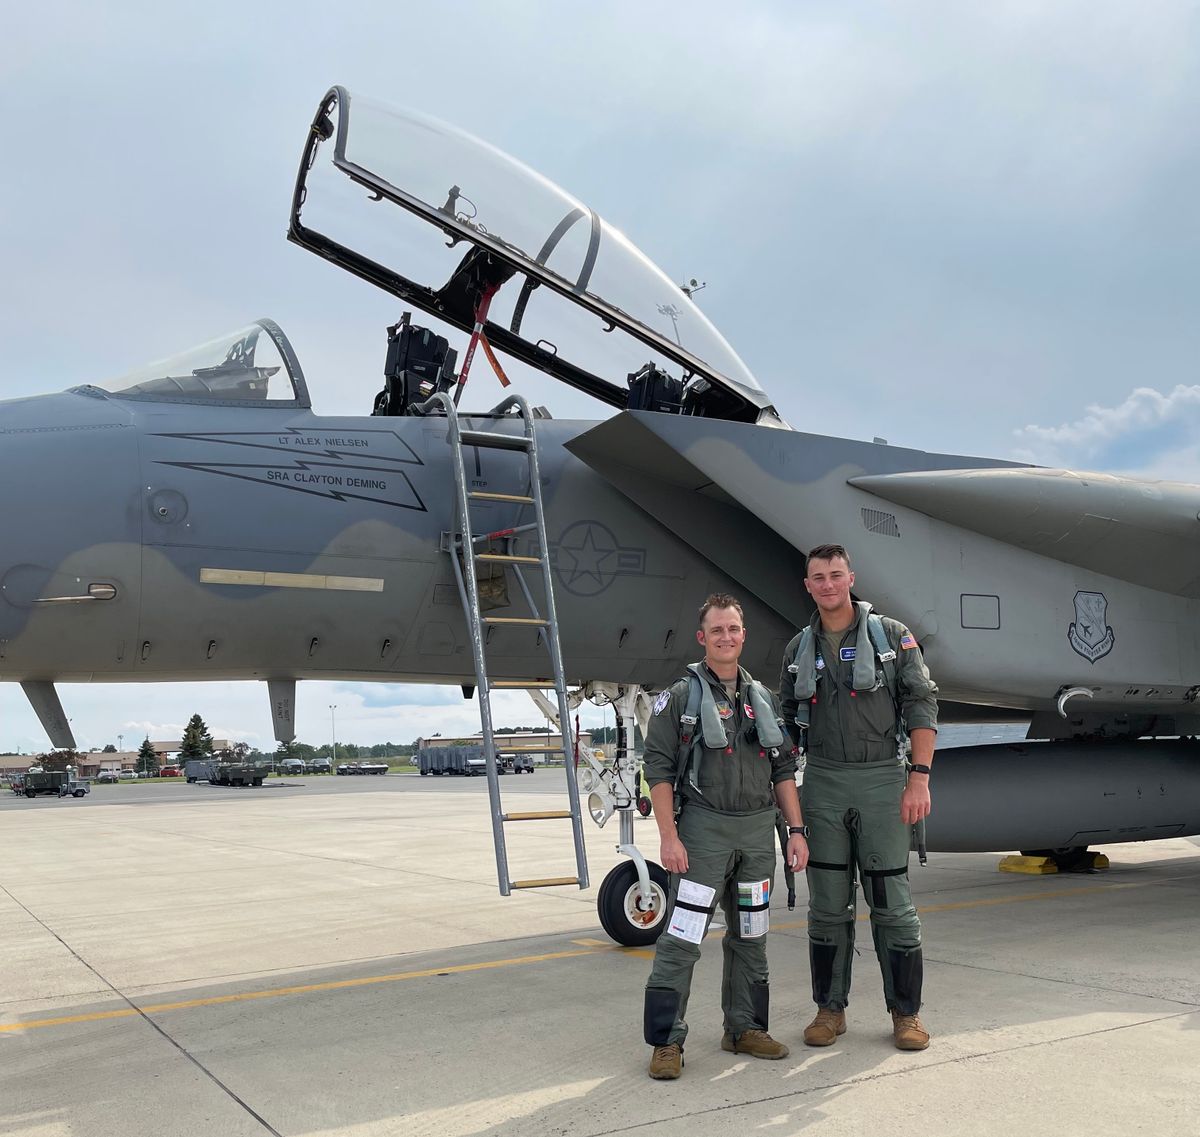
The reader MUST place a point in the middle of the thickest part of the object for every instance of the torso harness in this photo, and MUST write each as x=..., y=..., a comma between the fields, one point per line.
x=874, y=667
x=702, y=711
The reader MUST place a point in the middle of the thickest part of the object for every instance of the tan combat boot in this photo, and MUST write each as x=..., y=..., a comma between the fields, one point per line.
x=666, y=1062
x=756, y=1043
x=825, y=1028
x=908, y=1033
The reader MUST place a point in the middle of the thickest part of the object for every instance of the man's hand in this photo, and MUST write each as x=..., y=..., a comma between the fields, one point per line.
x=673, y=855
x=797, y=853
x=915, y=804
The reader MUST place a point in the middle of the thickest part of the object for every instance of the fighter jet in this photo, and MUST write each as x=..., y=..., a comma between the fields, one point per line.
x=219, y=529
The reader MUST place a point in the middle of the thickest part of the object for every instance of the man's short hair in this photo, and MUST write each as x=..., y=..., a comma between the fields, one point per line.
x=720, y=600
x=826, y=553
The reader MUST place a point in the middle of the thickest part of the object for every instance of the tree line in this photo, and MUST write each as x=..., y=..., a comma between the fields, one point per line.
x=197, y=743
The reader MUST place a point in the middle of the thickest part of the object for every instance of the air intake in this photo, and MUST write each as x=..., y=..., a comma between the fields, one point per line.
x=876, y=521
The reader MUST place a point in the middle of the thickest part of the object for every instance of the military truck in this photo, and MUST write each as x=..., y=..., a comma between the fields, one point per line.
x=462, y=760
x=469, y=760
x=56, y=783
x=219, y=773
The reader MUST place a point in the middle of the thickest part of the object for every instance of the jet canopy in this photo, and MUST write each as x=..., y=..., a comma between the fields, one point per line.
x=459, y=229
x=253, y=366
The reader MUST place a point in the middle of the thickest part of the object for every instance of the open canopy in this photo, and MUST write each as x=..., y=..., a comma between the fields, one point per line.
x=568, y=294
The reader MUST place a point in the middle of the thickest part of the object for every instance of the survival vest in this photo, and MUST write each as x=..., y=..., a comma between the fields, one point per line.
x=701, y=711
x=871, y=634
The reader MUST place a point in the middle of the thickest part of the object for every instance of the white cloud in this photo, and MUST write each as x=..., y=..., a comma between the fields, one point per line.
x=1149, y=433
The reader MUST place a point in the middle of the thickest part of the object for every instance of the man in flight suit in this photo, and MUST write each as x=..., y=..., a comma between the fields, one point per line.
x=855, y=683
x=716, y=742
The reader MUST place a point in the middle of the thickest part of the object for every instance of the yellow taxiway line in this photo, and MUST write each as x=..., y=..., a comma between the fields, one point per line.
x=587, y=947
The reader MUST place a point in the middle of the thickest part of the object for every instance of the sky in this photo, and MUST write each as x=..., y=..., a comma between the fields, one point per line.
x=958, y=227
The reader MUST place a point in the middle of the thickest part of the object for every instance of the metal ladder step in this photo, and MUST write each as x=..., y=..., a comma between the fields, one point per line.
x=523, y=684
x=539, y=815
x=524, y=621
x=480, y=495
x=508, y=559
x=529, y=749
x=492, y=441
x=547, y=882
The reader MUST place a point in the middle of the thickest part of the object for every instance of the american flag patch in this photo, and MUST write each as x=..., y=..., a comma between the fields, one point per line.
x=907, y=643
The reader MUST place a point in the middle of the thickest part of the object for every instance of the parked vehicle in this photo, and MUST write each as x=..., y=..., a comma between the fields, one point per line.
x=170, y=772
x=58, y=783
x=466, y=761
x=218, y=773
x=321, y=766
x=293, y=767
x=107, y=777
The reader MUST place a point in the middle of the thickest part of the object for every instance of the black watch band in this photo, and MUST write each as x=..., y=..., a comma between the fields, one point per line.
x=919, y=768
x=798, y=831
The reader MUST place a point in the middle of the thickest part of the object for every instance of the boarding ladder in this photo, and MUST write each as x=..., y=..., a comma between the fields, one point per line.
x=462, y=545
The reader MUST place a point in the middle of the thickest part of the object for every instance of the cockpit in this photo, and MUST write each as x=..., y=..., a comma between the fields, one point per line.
x=252, y=366
x=454, y=227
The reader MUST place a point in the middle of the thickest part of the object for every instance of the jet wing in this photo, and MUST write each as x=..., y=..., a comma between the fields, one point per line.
x=1147, y=533
x=751, y=500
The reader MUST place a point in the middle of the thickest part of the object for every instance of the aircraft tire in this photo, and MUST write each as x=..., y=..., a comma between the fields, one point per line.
x=617, y=899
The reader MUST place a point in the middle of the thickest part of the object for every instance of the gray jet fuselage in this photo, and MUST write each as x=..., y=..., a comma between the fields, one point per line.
x=162, y=540
x=239, y=543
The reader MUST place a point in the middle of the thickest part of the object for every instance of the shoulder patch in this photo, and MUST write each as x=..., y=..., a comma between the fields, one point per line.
x=660, y=704
x=907, y=643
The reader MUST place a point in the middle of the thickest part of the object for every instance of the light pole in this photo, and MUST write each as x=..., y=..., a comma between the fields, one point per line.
x=333, y=732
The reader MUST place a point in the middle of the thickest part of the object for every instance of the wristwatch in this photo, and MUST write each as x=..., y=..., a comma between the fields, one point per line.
x=919, y=768
x=798, y=831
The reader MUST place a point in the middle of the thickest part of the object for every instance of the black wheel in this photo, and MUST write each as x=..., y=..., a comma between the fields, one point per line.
x=631, y=919
x=258, y=781
x=30, y=793
x=643, y=805
x=79, y=793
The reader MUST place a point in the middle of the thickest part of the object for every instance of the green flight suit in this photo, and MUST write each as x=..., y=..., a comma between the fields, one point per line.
x=850, y=797
x=727, y=825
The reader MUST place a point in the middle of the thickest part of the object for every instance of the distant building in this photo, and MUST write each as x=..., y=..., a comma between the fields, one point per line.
x=89, y=765
x=96, y=761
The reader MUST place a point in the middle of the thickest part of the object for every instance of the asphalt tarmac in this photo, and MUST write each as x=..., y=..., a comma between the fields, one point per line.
x=331, y=956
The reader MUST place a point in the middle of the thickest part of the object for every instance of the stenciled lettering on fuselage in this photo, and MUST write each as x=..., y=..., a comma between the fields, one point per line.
x=588, y=558
x=1090, y=634
x=363, y=465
